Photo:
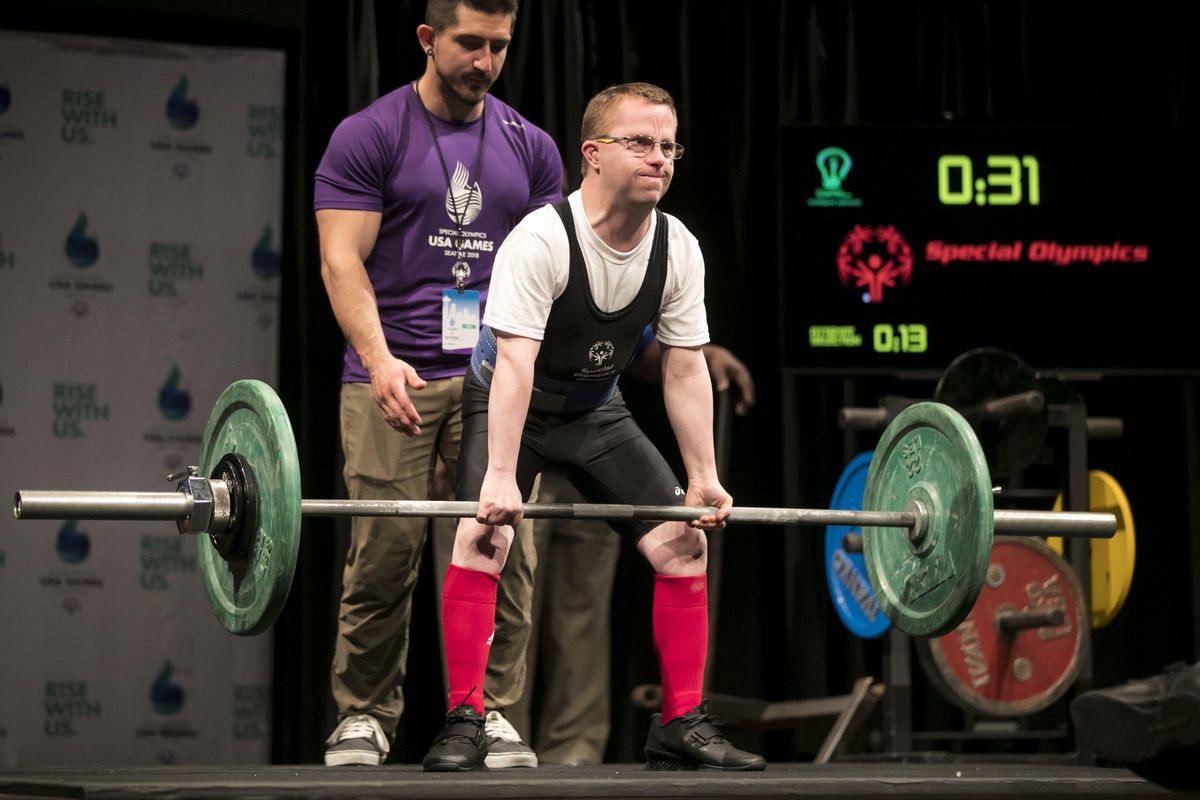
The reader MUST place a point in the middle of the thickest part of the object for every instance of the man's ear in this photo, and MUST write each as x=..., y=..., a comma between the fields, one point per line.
x=426, y=35
x=589, y=149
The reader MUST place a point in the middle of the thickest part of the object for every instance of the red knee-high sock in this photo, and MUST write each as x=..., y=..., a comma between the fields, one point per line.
x=468, y=619
x=681, y=638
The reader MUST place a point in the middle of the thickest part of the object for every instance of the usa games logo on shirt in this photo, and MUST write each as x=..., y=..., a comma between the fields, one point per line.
x=463, y=200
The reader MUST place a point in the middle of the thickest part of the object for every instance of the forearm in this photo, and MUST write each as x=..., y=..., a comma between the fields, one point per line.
x=354, y=305
x=687, y=393
x=347, y=239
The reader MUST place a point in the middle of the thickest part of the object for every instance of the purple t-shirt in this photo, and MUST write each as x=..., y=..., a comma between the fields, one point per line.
x=383, y=159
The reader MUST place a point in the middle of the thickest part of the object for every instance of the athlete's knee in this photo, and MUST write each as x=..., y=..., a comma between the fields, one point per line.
x=473, y=544
x=675, y=549
x=481, y=547
x=691, y=542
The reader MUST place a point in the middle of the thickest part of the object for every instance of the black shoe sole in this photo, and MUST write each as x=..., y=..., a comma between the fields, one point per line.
x=661, y=761
x=1122, y=732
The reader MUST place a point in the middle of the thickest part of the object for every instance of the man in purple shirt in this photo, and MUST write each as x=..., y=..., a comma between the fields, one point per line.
x=413, y=197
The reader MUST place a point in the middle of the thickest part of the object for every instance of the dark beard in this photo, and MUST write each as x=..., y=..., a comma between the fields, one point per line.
x=459, y=96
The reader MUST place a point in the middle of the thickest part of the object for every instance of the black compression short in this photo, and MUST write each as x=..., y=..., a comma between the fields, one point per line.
x=602, y=451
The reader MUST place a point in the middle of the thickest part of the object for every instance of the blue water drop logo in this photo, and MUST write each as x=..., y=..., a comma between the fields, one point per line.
x=165, y=696
x=182, y=113
x=265, y=260
x=82, y=250
x=5, y=97
x=72, y=544
x=174, y=403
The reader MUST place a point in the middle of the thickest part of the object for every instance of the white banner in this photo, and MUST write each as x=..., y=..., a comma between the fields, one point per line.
x=140, y=209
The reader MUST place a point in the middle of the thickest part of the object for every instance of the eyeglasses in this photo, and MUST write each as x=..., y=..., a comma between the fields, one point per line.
x=643, y=144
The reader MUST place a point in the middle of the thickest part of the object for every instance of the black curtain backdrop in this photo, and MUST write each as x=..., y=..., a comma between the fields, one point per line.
x=737, y=72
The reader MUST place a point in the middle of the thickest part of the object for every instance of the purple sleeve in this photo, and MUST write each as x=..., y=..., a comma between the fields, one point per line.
x=352, y=173
x=546, y=177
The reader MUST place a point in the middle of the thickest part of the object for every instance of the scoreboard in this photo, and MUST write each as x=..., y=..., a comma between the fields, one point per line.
x=902, y=247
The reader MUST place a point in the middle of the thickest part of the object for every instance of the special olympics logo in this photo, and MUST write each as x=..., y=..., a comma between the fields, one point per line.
x=874, y=259
x=600, y=352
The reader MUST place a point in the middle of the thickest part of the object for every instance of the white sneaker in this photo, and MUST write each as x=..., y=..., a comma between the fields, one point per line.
x=359, y=740
x=505, y=748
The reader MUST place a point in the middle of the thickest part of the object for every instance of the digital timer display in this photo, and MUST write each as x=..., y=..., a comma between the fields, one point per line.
x=1008, y=181
x=903, y=247
x=911, y=338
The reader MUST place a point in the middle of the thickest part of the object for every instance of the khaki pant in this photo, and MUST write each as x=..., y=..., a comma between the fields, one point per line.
x=371, y=650
x=570, y=650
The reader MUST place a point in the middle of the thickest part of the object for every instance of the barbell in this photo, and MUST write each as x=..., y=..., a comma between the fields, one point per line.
x=929, y=479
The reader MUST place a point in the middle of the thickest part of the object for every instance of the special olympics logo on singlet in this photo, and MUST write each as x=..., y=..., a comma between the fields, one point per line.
x=600, y=352
x=463, y=201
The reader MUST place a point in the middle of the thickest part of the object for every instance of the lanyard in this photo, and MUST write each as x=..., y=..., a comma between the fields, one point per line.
x=461, y=269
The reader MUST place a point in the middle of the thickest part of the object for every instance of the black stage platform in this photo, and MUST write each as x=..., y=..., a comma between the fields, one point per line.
x=841, y=780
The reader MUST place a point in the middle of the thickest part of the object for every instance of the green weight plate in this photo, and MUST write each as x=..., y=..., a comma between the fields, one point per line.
x=929, y=455
x=248, y=590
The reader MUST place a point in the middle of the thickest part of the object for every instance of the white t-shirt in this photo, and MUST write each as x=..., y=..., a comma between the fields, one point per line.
x=532, y=267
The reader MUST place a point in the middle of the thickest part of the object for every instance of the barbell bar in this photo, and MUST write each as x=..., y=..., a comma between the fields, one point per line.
x=178, y=507
x=929, y=478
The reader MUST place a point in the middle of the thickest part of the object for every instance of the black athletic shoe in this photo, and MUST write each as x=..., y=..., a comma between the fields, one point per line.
x=693, y=741
x=1137, y=720
x=461, y=745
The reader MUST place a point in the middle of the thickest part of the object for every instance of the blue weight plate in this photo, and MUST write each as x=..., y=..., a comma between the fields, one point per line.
x=845, y=572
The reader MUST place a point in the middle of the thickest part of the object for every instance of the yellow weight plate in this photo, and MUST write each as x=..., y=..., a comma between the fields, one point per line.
x=1112, y=559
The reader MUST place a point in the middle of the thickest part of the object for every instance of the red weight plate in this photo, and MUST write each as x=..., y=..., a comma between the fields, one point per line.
x=984, y=670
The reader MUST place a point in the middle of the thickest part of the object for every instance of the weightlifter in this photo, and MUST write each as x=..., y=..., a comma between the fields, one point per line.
x=573, y=286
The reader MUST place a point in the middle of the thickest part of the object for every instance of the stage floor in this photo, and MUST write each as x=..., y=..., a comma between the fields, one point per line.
x=841, y=780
